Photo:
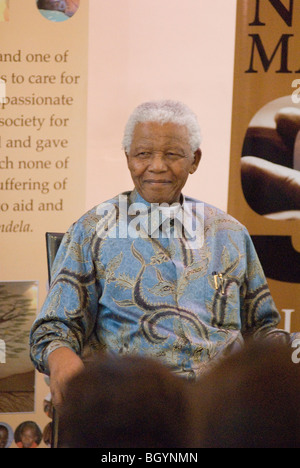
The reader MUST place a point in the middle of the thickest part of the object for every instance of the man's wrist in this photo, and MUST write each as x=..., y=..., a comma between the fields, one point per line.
x=56, y=350
x=59, y=355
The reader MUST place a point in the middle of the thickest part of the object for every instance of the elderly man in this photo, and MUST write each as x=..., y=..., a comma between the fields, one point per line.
x=134, y=275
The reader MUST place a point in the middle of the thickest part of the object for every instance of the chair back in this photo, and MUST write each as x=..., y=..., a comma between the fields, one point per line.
x=53, y=241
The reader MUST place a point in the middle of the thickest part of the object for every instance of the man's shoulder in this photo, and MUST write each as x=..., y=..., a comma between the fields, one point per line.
x=217, y=218
x=91, y=218
x=217, y=215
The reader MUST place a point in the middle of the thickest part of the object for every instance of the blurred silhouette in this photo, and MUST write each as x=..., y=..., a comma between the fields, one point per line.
x=251, y=400
x=126, y=402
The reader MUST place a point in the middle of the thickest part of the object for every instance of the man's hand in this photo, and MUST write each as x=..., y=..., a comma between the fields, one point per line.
x=63, y=364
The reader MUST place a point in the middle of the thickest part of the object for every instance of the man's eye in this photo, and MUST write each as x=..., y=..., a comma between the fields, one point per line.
x=173, y=155
x=143, y=154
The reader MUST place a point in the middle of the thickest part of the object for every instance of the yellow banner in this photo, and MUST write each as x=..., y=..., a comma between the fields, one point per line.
x=265, y=154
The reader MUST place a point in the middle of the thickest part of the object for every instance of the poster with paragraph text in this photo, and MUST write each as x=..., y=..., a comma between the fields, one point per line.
x=43, y=101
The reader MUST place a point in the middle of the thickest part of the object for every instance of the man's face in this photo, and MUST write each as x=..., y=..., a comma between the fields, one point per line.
x=160, y=161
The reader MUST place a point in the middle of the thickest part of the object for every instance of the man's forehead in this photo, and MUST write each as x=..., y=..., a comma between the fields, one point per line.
x=148, y=132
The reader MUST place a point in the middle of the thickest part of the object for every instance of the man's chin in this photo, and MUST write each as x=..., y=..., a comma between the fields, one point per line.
x=159, y=193
x=157, y=196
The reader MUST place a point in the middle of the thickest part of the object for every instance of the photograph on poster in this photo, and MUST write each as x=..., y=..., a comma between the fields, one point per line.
x=6, y=435
x=4, y=10
x=271, y=161
x=58, y=10
x=28, y=435
x=47, y=435
x=48, y=406
x=49, y=412
x=18, y=308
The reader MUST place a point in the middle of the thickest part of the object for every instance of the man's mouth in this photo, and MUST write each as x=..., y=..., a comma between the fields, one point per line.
x=157, y=182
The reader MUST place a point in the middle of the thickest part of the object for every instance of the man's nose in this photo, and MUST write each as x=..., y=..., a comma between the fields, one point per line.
x=158, y=163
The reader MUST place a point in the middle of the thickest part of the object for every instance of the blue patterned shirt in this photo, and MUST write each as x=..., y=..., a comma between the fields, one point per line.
x=152, y=294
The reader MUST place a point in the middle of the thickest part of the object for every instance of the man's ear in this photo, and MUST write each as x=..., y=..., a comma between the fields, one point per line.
x=197, y=159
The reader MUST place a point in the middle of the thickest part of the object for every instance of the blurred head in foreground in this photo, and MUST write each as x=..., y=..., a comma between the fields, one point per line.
x=249, y=400
x=252, y=400
x=127, y=402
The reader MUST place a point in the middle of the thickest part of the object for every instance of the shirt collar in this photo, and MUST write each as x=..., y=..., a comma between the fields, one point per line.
x=184, y=221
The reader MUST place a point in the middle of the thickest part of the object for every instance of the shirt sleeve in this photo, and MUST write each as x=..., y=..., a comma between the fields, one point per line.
x=260, y=317
x=68, y=316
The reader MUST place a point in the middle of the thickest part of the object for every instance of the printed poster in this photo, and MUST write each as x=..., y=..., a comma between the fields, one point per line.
x=43, y=114
x=265, y=153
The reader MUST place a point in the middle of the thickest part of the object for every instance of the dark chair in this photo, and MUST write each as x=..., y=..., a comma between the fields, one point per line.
x=53, y=241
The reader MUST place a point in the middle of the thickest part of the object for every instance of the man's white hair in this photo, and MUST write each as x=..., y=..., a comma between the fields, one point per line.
x=164, y=112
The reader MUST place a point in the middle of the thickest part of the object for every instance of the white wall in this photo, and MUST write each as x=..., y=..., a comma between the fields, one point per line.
x=153, y=49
